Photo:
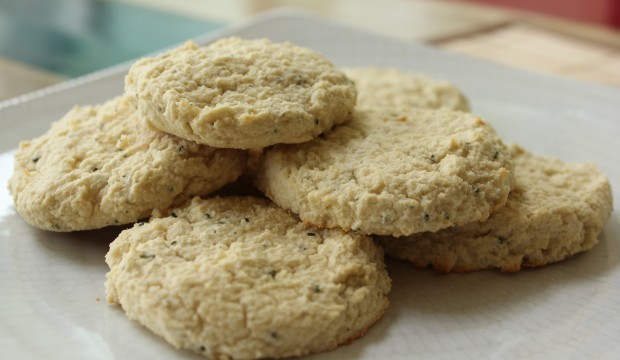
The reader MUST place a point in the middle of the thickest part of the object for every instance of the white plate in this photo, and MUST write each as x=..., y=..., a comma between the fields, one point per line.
x=50, y=284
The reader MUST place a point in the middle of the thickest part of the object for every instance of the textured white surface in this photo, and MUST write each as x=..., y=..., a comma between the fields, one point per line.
x=49, y=282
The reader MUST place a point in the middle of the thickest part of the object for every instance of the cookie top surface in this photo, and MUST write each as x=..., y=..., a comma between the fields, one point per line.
x=239, y=277
x=392, y=172
x=393, y=87
x=556, y=210
x=100, y=166
x=239, y=93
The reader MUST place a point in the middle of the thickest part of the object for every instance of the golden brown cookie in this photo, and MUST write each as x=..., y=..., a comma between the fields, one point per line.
x=241, y=278
x=100, y=165
x=556, y=210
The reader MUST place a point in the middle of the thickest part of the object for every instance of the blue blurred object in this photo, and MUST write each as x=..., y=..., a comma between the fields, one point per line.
x=75, y=37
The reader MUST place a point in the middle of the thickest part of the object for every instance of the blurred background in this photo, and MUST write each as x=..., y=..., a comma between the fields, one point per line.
x=43, y=42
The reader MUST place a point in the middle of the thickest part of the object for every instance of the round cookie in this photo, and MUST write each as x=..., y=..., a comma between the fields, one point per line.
x=397, y=88
x=556, y=210
x=392, y=172
x=241, y=278
x=239, y=93
x=101, y=166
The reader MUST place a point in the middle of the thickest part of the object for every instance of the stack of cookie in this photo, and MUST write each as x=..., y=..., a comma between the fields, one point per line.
x=342, y=156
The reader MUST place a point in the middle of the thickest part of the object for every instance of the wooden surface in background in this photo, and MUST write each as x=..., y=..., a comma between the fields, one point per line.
x=514, y=38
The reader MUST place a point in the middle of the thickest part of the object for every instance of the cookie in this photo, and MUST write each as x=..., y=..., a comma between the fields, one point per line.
x=239, y=93
x=244, y=185
x=240, y=278
x=556, y=210
x=101, y=166
x=397, y=88
x=392, y=172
